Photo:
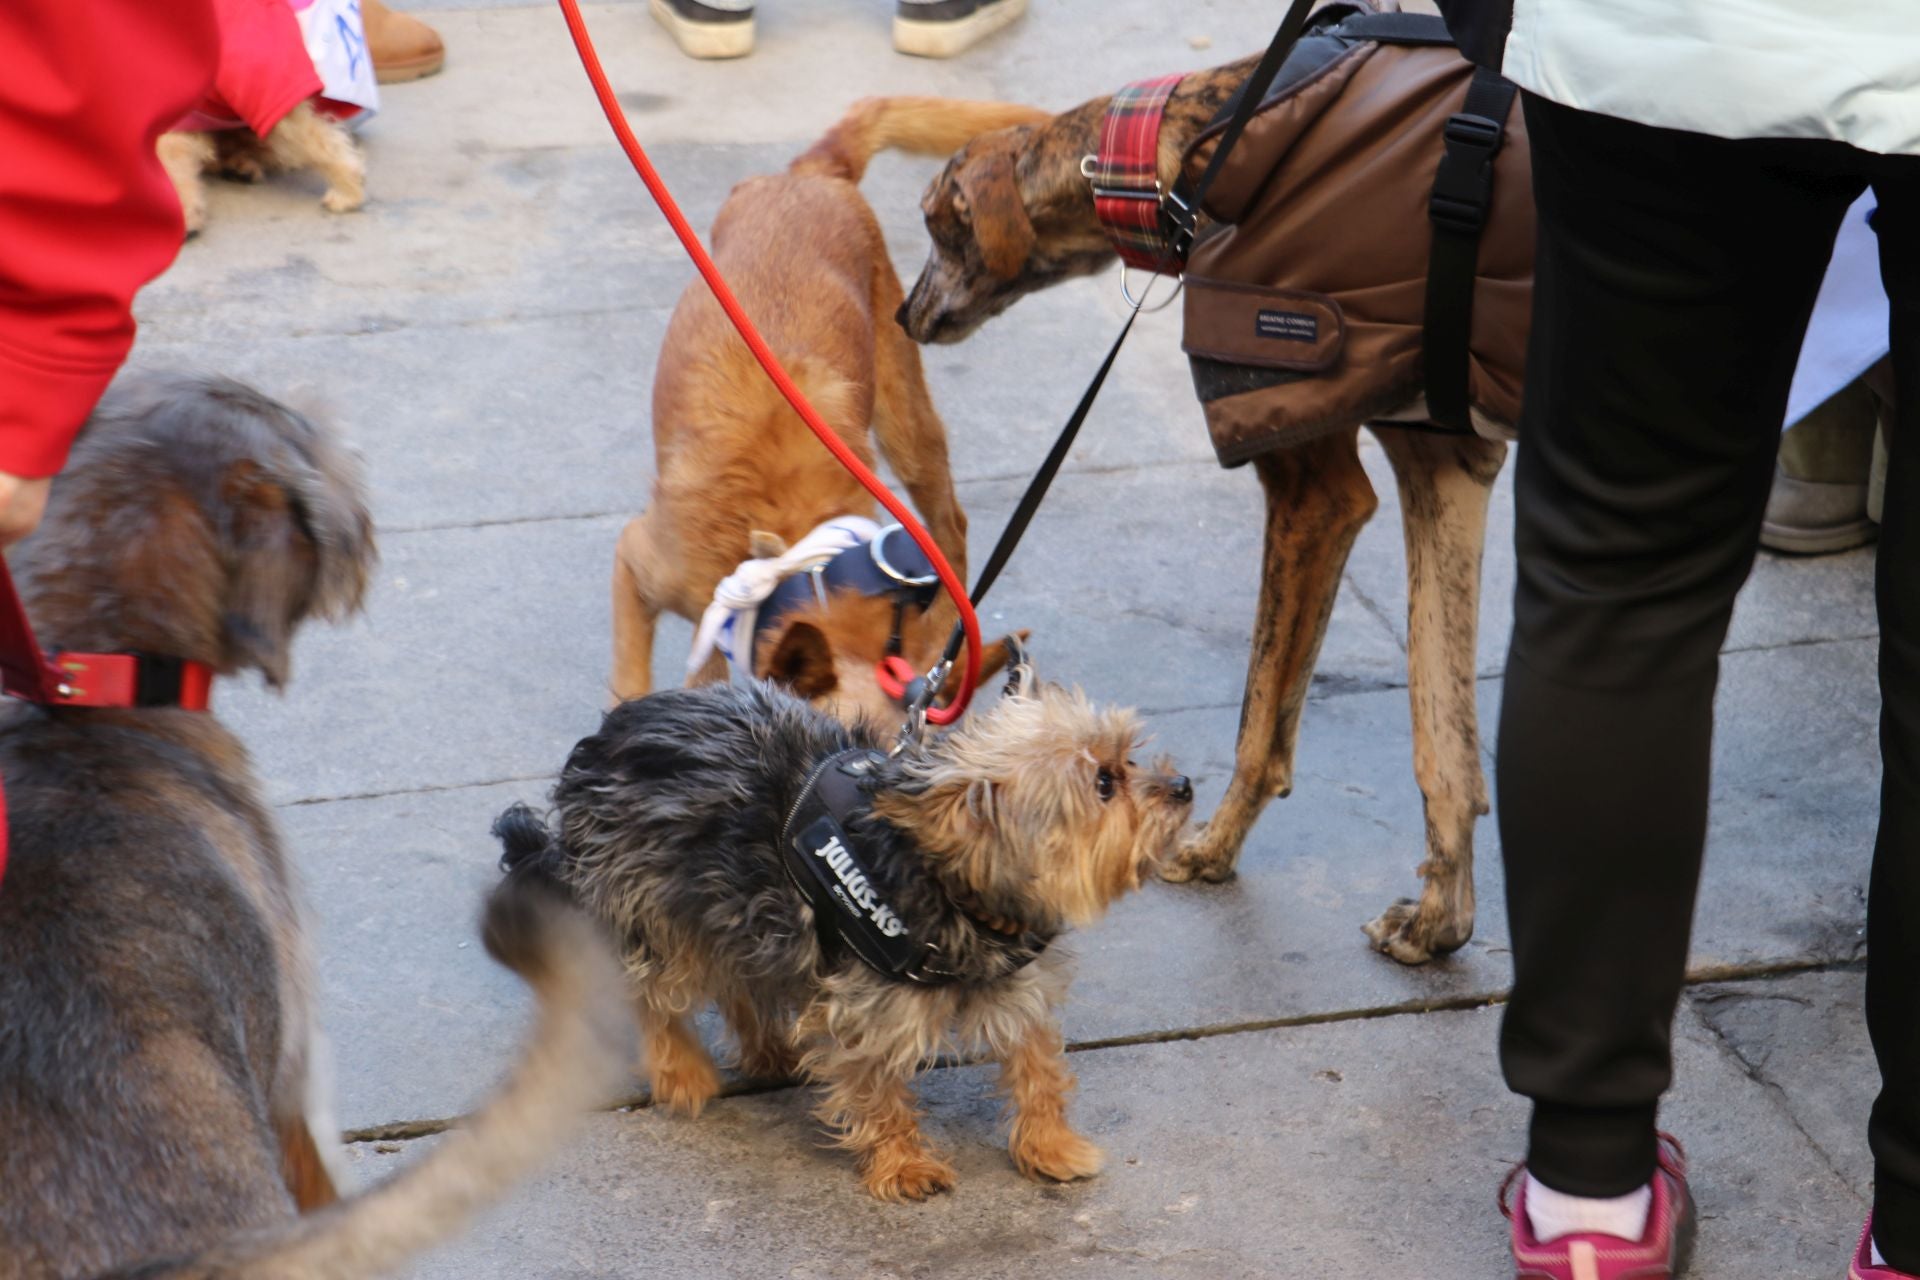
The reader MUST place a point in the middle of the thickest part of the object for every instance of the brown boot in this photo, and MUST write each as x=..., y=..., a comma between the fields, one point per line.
x=403, y=48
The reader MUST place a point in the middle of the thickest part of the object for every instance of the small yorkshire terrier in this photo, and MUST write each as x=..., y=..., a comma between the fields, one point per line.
x=980, y=848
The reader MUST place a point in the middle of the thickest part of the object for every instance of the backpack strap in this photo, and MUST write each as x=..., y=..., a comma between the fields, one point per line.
x=1462, y=191
x=1395, y=28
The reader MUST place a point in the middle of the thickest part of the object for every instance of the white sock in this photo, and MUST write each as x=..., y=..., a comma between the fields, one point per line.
x=1553, y=1214
x=1874, y=1250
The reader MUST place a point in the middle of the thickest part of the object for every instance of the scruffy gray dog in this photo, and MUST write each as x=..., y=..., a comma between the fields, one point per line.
x=977, y=849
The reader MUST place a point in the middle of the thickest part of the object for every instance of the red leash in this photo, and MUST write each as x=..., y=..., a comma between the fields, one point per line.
x=957, y=590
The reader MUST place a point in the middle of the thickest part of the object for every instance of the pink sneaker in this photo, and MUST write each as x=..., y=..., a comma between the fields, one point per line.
x=1862, y=1267
x=1661, y=1254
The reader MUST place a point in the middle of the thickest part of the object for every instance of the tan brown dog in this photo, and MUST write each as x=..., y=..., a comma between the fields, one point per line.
x=161, y=1114
x=738, y=473
x=303, y=139
x=978, y=849
x=1012, y=213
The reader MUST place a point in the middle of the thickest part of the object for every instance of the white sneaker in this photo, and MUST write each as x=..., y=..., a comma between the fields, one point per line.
x=706, y=31
x=942, y=28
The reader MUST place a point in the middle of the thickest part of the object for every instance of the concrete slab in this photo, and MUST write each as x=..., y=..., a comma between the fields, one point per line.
x=1315, y=1151
x=481, y=658
x=1805, y=1037
x=420, y=1018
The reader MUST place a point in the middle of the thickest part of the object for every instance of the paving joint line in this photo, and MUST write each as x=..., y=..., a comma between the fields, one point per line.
x=411, y=1130
x=1776, y=1092
x=428, y=789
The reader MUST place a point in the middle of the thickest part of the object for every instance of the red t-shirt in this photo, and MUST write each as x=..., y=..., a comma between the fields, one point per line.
x=87, y=215
x=264, y=68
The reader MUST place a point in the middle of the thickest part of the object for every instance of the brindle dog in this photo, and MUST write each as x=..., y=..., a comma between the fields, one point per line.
x=1011, y=214
x=161, y=1114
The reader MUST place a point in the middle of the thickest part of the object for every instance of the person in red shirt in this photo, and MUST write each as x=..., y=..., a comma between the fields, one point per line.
x=87, y=215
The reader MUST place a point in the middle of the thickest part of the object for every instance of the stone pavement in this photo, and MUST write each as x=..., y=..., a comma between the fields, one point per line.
x=1275, y=1099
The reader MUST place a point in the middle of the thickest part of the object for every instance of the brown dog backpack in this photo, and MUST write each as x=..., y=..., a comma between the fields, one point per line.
x=1372, y=243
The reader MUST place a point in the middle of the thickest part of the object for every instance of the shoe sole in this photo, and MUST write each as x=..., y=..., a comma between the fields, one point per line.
x=1816, y=542
x=413, y=69
x=709, y=40
x=920, y=38
x=1686, y=1234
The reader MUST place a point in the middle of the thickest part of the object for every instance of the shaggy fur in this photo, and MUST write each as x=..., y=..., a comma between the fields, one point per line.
x=163, y=1111
x=304, y=139
x=738, y=473
x=1033, y=814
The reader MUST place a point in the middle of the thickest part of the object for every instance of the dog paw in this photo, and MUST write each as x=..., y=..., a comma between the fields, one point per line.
x=242, y=169
x=1061, y=1156
x=907, y=1175
x=1403, y=932
x=337, y=201
x=1199, y=858
x=685, y=1086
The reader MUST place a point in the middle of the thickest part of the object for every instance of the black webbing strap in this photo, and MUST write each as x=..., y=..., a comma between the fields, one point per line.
x=1462, y=192
x=1183, y=217
x=1395, y=28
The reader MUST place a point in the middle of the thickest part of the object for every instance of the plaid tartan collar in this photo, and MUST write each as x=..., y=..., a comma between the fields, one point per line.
x=1126, y=176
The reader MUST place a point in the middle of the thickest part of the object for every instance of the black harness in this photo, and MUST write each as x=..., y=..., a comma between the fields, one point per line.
x=890, y=565
x=850, y=908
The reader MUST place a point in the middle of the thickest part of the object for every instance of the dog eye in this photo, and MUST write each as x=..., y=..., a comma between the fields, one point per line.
x=1103, y=783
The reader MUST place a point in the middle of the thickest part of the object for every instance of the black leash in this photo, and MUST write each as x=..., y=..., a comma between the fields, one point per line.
x=1181, y=210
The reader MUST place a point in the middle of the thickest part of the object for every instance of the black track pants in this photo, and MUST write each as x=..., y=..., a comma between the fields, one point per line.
x=1676, y=273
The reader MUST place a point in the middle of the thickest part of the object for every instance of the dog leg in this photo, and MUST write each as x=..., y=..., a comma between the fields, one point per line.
x=910, y=432
x=681, y=1075
x=867, y=1100
x=303, y=1168
x=1318, y=497
x=635, y=611
x=1444, y=485
x=185, y=157
x=306, y=139
x=1034, y=1076
x=766, y=1041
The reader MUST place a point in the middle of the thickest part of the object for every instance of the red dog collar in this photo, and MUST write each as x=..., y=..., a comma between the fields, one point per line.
x=130, y=680
x=1127, y=197
x=68, y=679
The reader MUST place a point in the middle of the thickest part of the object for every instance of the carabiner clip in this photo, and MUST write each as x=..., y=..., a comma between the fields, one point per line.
x=919, y=698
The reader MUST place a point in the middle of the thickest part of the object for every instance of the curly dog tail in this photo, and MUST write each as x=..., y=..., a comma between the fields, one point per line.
x=528, y=851
x=924, y=126
x=573, y=1060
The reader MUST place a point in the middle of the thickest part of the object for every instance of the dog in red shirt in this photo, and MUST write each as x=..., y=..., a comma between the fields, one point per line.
x=264, y=113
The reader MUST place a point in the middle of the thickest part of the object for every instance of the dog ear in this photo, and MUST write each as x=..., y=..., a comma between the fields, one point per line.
x=299, y=544
x=762, y=545
x=993, y=659
x=1021, y=677
x=999, y=215
x=802, y=660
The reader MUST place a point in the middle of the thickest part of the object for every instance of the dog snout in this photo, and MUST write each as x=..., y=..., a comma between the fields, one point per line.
x=1177, y=787
x=900, y=316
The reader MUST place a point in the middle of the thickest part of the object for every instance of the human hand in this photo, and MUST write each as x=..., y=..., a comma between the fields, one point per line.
x=23, y=501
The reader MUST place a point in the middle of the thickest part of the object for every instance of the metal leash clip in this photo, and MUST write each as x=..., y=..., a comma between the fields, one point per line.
x=919, y=698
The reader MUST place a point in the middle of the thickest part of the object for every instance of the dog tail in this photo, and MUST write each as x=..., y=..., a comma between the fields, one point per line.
x=528, y=851
x=924, y=126
x=573, y=1060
